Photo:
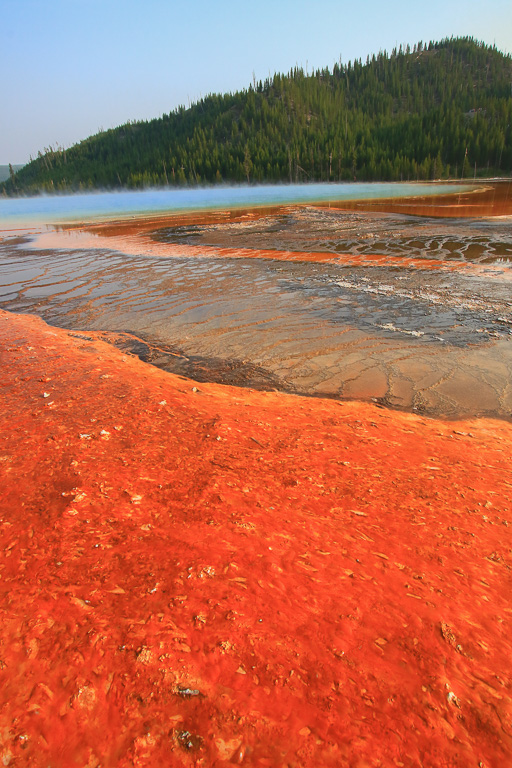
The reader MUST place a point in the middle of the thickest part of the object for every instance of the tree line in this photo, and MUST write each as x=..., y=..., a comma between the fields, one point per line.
x=433, y=111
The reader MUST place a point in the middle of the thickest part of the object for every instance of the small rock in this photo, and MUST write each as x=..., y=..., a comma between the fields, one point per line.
x=189, y=740
x=188, y=692
x=453, y=699
x=145, y=655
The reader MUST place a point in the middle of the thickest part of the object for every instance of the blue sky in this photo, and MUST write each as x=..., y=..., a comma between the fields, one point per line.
x=71, y=67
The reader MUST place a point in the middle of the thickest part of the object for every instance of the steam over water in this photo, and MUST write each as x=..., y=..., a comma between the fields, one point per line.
x=53, y=209
x=426, y=326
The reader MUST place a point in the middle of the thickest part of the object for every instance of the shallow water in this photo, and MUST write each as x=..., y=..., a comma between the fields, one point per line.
x=426, y=327
x=477, y=241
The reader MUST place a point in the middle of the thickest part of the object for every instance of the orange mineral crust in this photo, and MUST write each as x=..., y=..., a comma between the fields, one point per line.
x=135, y=235
x=486, y=198
x=197, y=575
x=143, y=244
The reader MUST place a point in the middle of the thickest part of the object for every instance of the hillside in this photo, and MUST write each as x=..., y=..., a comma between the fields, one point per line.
x=5, y=172
x=436, y=111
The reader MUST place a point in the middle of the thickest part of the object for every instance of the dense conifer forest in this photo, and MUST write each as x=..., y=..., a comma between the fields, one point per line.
x=433, y=111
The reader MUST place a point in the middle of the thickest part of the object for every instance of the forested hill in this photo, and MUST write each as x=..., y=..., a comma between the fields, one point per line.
x=439, y=110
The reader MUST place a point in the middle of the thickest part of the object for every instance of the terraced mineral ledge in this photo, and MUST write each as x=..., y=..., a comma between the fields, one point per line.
x=197, y=574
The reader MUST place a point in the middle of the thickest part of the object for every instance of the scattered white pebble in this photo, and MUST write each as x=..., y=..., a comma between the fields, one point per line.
x=453, y=699
x=162, y=402
x=46, y=394
x=85, y=437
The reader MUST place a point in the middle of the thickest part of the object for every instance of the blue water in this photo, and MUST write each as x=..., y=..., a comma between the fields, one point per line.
x=55, y=209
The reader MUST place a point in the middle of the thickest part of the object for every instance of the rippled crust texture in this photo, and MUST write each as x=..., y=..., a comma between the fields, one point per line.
x=202, y=575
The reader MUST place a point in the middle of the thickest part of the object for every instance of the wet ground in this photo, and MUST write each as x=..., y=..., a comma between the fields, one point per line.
x=200, y=575
x=411, y=312
x=484, y=241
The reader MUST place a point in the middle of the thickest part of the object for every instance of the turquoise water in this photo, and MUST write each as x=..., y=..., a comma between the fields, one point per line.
x=54, y=209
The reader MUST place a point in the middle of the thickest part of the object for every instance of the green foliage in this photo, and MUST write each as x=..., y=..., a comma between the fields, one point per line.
x=405, y=116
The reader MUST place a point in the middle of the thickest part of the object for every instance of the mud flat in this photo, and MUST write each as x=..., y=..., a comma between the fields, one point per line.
x=207, y=575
